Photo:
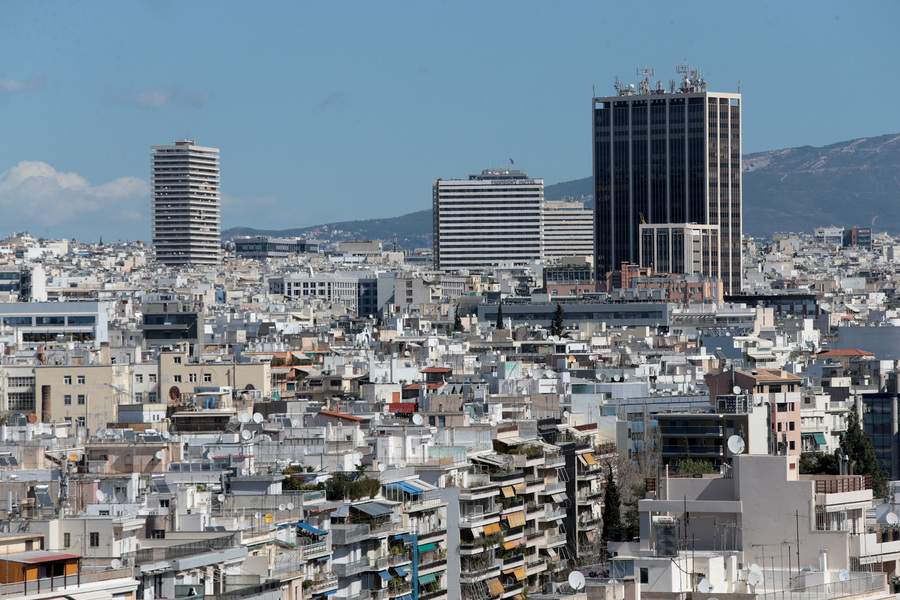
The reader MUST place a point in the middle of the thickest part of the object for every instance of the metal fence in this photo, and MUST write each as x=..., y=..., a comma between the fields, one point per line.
x=866, y=584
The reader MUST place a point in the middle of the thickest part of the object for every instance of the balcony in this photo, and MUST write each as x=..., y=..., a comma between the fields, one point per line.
x=691, y=430
x=554, y=488
x=347, y=534
x=693, y=450
x=50, y=584
x=353, y=568
x=323, y=585
x=554, y=461
x=843, y=484
x=313, y=550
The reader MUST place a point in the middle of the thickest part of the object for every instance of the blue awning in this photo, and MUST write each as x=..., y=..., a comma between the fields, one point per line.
x=385, y=575
x=406, y=487
x=406, y=537
x=400, y=571
x=328, y=593
x=311, y=529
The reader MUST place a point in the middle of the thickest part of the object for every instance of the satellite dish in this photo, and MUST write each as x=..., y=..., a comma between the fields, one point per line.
x=576, y=580
x=115, y=563
x=891, y=518
x=566, y=414
x=101, y=433
x=246, y=435
x=736, y=445
x=221, y=497
x=165, y=435
x=417, y=419
x=244, y=418
x=281, y=507
x=159, y=455
x=256, y=515
x=754, y=578
x=290, y=506
x=269, y=517
x=258, y=418
x=704, y=586
x=845, y=576
x=736, y=389
x=755, y=567
x=73, y=457
x=402, y=464
x=101, y=497
x=382, y=468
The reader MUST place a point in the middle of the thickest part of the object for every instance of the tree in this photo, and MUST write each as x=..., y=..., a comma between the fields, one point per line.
x=457, y=321
x=689, y=466
x=612, y=510
x=819, y=463
x=558, y=324
x=857, y=446
x=499, y=324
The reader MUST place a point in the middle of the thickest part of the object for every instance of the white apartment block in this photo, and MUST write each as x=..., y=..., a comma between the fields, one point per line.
x=490, y=219
x=186, y=219
x=568, y=229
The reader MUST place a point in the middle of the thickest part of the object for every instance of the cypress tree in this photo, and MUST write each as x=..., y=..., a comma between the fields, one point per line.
x=558, y=324
x=499, y=323
x=612, y=501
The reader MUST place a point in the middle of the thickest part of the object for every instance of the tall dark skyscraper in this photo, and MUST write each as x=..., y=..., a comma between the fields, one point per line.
x=668, y=156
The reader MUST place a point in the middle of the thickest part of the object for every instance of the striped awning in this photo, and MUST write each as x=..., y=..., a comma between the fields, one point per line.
x=507, y=491
x=516, y=519
x=491, y=528
x=520, y=574
x=495, y=586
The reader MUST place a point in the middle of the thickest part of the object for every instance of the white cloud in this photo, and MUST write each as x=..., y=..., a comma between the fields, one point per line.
x=9, y=86
x=163, y=96
x=36, y=197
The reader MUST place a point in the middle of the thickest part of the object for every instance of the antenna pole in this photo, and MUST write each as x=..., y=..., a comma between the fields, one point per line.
x=797, y=515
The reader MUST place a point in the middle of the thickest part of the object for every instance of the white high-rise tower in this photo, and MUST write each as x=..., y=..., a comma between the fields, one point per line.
x=186, y=220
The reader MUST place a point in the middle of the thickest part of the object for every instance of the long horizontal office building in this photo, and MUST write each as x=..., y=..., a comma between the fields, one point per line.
x=488, y=220
x=40, y=322
x=615, y=314
x=568, y=229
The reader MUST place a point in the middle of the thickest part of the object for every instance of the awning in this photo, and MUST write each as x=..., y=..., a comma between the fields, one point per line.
x=311, y=529
x=589, y=459
x=820, y=438
x=373, y=509
x=426, y=579
x=400, y=572
x=516, y=519
x=476, y=531
x=492, y=528
x=328, y=593
x=426, y=548
x=513, y=543
x=589, y=535
x=519, y=487
x=551, y=552
x=495, y=586
x=385, y=575
x=558, y=497
x=507, y=491
x=406, y=537
x=520, y=574
x=406, y=487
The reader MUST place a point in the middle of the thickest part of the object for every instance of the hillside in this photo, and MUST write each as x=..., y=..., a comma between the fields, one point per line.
x=796, y=189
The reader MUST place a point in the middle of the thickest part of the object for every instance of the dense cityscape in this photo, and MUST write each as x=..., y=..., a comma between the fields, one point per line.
x=609, y=399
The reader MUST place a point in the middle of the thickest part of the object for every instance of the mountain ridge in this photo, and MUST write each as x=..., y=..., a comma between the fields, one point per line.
x=856, y=182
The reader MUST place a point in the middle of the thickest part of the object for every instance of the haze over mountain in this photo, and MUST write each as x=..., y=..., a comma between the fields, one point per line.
x=796, y=189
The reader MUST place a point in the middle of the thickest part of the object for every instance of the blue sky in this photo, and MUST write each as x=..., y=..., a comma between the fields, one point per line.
x=328, y=111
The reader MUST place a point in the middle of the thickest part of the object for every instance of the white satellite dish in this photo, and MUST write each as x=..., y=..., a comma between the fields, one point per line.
x=576, y=580
x=382, y=468
x=566, y=414
x=754, y=578
x=736, y=389
x=736, y=445
x=755, y=567
x=891, y=518
x=256, y=515
x=115, y=564
x=221, y=497
x=244, y=418
x=166, y=435
x=258, y=418
x=101, y=433
x=246, y=435
x=290, y=506
x=101, y=497
x=704, y=586
x=417, y=419
x=281, y=507
x=845, y=576
x=159, y=455
x=402, y=464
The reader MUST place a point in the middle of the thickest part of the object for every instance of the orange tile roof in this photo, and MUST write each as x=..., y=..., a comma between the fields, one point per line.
x=772, y=375
x=848, y=352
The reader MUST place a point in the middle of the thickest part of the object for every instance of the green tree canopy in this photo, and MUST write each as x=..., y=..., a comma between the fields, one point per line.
x=612, y=506
x=558, y=324
x=857, y=446
x=499, y=323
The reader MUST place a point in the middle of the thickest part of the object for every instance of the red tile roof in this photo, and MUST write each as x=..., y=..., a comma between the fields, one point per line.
x=436, y=370
x=337, y=415
x=845, y=353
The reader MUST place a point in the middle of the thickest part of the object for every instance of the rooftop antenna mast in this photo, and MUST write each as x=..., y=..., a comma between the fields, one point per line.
x=644, y=85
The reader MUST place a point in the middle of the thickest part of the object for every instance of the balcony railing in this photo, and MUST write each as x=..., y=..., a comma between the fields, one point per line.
x=311, y=550
x=343, y=535
x=839, y=485
x=349, y=569
x=50, y=584
x=689, y=430
x=693, y=450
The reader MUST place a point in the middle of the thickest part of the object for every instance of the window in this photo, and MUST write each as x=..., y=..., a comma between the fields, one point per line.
x=164, y=503
x=139, y=397
x=177, y=378
x=192, y=377
x=152, y=398
x=67, y=539
x=139, y=378
x=791, y=426
x=82, y=399
x=152, y=377
x=69, y=420
x=67, y=380
x=95, y=539
x=207, y=378
x=80, y=380
x=80, y=421
x=176, y=360
x=67, y=399
x=645, y=575
x=791, y=445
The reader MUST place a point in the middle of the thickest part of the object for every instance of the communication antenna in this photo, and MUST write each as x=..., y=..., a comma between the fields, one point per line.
x=101, y=497
x=382, y=467
x=282, y=507
x=417, y=419
x=736, y=390
x=246, y=434
x=576, y=580
x=704, y=586
x=115, y=564
x=891, y=518
x=290, y=506
x=736, y=445
x=258, y=418
x=166, y=435
x=754, y=578
x=244, y=418
x=159, y=455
